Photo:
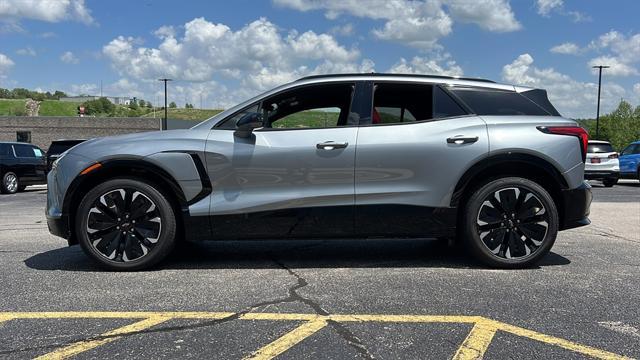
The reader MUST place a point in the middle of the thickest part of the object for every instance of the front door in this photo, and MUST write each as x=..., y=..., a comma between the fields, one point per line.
x=292, y=178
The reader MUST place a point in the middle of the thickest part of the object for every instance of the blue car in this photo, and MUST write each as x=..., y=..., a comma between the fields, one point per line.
x=630, y=161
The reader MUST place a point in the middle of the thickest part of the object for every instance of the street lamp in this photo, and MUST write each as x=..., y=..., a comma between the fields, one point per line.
x=164, y=120
x=599, y=67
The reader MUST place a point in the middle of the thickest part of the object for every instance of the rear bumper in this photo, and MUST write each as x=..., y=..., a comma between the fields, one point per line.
x=601, y=174
x=577, y=203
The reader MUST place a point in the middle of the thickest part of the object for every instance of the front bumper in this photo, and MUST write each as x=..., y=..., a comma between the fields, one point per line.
x=59, y=226
x=577, y=203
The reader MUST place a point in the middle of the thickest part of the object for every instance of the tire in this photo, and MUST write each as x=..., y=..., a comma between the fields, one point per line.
x=489, y=223
x=106, y=225
x=609, y=182
x=10, y=183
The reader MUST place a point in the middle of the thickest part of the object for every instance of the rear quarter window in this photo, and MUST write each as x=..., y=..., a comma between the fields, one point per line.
x=498, y=102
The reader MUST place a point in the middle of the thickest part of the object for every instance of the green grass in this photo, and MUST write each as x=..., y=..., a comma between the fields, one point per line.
x=308, y=119
x=185, y=114
x=12, y=107
x=58, y=108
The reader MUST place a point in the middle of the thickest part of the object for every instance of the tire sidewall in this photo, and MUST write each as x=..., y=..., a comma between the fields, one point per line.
x=472, y=208
x=165, y=243
x=2, y=185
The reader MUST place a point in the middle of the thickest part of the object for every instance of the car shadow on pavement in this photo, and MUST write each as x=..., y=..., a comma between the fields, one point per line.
x=272, y=254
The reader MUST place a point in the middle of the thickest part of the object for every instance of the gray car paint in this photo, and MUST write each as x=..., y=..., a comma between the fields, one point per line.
x=392, y=164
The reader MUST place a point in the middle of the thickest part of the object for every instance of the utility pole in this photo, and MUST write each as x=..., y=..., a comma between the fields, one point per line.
x=599, y=67
x=164, y=120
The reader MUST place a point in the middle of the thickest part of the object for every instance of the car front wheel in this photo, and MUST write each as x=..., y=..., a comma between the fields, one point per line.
x=609, y=182
x=510, y=223
x=126, y=224
x=10, y=183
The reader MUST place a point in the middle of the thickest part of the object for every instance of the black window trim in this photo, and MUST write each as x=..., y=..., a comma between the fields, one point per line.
x=442, y=86
x=259, y=102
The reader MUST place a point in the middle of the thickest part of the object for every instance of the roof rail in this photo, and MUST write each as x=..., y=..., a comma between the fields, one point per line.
x=394, y=75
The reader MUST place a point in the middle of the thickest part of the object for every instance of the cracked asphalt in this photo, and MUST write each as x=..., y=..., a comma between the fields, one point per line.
x=586, y=291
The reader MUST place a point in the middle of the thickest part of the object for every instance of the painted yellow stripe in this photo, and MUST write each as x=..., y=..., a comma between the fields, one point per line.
x=279, y=317
x=406, y=318
x=82, y=346
x=477, y=342
x=552, y=340
x=4, y=318
x=288, y=340
x=115, y=315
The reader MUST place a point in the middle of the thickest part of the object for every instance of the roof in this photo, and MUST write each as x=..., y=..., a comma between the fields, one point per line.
x=16, y=143
x=422, y=76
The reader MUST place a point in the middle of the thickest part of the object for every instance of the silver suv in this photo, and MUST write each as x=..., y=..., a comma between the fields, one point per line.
x=335, y=156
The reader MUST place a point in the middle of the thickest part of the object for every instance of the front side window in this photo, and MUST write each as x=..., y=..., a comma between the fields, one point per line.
x=497, y=102
x=308, y=107
x=230, y=122
x=24, y=151
x=5, y=150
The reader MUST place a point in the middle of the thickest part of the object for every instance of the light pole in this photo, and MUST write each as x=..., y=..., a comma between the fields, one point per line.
x=164, y=120
x=599, y=67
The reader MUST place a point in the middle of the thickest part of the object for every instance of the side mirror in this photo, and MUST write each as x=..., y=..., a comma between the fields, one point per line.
x=246, y=124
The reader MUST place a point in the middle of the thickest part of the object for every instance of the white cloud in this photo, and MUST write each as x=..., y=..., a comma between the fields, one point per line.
x=424, y=65
x=571, y=97
x=492, y=15
x=636, y=89
x=5, y=64
x=84, y=89
x=624, y=53
x=50, y=11
x=207, y=49
x=616, y=67
x=28, y=51
x=567, y=48
x=343, y=30
x=417, y=23
x=69, y=58
x=545, y=7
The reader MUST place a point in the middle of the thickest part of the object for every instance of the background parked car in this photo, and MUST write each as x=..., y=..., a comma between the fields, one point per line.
x=21, y=165
x=602, y=163
x=57, y=147
x=630, y=161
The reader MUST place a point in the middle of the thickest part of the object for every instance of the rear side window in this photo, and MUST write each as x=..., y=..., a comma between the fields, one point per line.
x=599, y=148
x=498, y=102
x=444, y=106
x=24, y=151
x=401, y=103
x=5, y=150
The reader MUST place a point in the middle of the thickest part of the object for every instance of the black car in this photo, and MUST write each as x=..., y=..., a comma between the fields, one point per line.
x=21, y=165
x=56, y=149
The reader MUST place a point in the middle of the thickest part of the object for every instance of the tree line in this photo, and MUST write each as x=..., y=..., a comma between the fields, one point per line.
x=620, y=127
x=21, y=93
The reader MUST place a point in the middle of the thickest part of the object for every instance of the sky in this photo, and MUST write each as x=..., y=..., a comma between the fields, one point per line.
x=222, y=52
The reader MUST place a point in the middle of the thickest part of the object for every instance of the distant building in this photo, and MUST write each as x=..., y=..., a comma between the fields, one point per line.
x=116, y=100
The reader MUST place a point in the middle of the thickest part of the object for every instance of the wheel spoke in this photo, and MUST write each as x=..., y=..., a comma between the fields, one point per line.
x=508, y=199
x=106, y=210
x=101, y=233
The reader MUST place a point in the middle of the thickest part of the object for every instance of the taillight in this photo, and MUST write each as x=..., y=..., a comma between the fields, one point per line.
x=613, y=156
x=577, y=131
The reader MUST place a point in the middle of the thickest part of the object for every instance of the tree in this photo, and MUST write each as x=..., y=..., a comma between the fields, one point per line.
x=142, y=103
x=172, y=105
x=619, y=127
x=101, y=106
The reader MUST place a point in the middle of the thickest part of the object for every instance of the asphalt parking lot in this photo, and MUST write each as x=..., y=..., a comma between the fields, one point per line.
x=324, y=299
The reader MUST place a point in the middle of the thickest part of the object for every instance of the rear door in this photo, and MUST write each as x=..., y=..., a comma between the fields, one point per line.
x=26, y=159
x=630, y=159
x=295, y=176
x=411, y=152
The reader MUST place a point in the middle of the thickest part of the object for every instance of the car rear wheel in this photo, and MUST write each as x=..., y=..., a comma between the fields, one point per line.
x=126, y=224
x=10, y=183
x=510, y=223
x=609, y=182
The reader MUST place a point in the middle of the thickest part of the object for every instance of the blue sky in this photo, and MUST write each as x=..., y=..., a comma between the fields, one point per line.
x=225, y=51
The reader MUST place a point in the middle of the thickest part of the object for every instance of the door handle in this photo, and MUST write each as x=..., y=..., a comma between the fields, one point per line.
x=331, y=145
x=460, y=139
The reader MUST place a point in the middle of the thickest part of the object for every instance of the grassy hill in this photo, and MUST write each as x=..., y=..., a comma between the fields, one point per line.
x=58, y=108
x=12, y=107
x=186, y=114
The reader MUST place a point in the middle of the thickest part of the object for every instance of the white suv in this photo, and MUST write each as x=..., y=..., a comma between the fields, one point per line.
x=602, y=163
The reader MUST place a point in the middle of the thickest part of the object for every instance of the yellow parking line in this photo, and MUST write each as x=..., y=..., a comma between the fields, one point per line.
x=116, y=315
x=477, y=342
x=406, y=318
x=279, y=317
x=552, y=340
x=288, y=340
x=105, y=338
